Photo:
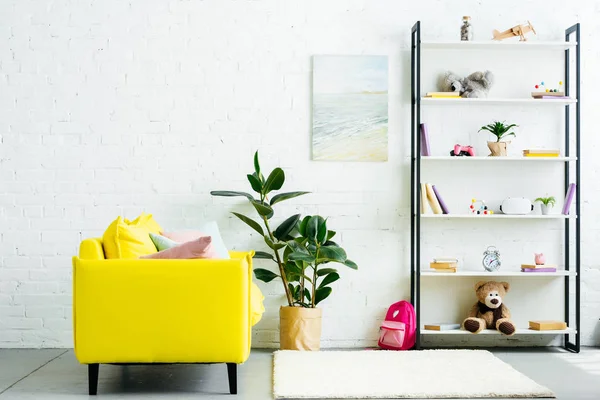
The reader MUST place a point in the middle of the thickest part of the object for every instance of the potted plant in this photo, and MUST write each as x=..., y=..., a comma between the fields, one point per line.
x=547, y=203
x=301, y=249
x=501, y=130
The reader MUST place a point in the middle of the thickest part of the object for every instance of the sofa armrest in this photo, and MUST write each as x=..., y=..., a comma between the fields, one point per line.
x=162, y=310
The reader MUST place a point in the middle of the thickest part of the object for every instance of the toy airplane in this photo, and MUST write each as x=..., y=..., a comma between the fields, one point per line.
x=517, y=30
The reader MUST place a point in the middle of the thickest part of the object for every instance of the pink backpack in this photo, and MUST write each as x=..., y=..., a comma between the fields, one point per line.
x=398, y=331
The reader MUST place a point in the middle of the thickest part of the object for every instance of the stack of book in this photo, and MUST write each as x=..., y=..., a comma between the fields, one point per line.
x=441, y=327
x=429, y=194
x=538, y=268
x=547, y=325
x=443, y=95
x=541, y=153
x=444, y=264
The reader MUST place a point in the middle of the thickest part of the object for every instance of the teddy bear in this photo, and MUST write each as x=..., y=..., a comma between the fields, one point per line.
x=476, y=85
x=490, y=311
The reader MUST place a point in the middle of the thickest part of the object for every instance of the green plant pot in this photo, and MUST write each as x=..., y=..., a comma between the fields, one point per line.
x=299, y=328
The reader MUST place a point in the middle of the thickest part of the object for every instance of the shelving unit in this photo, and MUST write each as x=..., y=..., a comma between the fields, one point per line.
x=520, y=331
x=520, y=274
x=571, y=161
x=497, y=216
x=496, y=102
x=487, y=45
x=497, y=159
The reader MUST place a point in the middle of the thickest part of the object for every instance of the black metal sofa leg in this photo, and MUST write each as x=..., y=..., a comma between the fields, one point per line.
x=232, y=374
x=93, y=378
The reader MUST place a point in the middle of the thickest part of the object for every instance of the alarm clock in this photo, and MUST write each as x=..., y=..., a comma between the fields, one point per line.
x=491, y=259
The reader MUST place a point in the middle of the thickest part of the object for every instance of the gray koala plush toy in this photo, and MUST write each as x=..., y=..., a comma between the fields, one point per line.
x=476, y=85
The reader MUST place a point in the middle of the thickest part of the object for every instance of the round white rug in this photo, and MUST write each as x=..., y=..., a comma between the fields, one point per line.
x=424, y=374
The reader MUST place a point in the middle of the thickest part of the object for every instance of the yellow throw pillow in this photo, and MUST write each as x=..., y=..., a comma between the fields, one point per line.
x=124, y=239
x=148, y=221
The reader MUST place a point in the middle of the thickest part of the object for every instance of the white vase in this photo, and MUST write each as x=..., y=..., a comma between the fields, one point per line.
x=545, y=209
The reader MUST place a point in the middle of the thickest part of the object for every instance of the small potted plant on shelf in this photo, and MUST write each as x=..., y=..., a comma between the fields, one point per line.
x=546, y=203
x=500, y=130
x=302, y=249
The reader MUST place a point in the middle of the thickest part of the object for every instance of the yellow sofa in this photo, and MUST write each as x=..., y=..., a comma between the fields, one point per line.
x=162, y=311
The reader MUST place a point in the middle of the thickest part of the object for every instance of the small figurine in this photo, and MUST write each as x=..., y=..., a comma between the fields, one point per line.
x=480, y=209
x=517, y=30
x=466, y=30
x=540, y=259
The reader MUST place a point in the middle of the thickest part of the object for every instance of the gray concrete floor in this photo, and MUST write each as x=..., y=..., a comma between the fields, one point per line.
x=56, y=374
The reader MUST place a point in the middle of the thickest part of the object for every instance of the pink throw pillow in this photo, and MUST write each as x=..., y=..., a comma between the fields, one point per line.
x=197, y=248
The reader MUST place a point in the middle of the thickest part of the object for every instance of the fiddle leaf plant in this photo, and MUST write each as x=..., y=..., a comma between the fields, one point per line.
x=298, y=247
x=499, y=129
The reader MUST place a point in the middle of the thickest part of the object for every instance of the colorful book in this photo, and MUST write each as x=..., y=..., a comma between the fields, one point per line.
x=547, y=325
x=551, y=97
x=569, y=199
x=536, y=151
x=441, y=327
x=423, y=199
x=443, y=265
x=443, y=94
x=433, y=201
x=535, y=266
x=425, y=150
x=541, y=155
x=548, y=94
x=538, y=269
x=440, y=200
x=452, y=270
x=445, y=260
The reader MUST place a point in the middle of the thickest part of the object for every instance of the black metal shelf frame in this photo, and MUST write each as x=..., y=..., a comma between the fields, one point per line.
x=415, y=223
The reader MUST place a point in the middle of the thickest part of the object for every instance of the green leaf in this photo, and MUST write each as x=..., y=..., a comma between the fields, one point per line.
x=272, y=245
x=313, y=227
x=274, y=181
x=285, y=196
x=256, y=165
x=263, y=209
x=303, y=224
x=251, y=223
x=307, y=294
x=286, y=227
x=325, y=271
x=322, y=232
x=229, y=193
x=297, y=256
x=264, y=275
x=295, y=246
x=332, y=253
x=350, y=264
x=330, y=234
x=263, y=255
x=332, y=277
x=255, y=183
x=322, y=293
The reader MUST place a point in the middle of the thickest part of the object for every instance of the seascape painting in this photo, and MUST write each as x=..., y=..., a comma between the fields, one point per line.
x=350, y=108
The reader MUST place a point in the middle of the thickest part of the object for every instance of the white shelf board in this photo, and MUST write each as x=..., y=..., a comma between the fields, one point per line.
x=496, y=159
x=496, y=216
x=496, y=45
x=497, y=101
x=520, y=331
x=558, y=273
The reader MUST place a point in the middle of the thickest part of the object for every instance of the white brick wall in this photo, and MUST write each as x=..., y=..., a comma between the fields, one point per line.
x=112, y=107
